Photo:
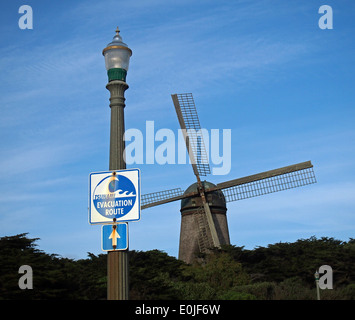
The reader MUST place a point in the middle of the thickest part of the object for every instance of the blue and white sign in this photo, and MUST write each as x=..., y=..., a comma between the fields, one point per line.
x=114, y=195
x=115, y=237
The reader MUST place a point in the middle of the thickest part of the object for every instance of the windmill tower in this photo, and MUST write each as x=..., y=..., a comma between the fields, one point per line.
x=203, y=204
x=194, y=233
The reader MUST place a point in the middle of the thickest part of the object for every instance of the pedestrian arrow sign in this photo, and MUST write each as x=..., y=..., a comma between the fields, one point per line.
x=115, y=237
x=114, y=195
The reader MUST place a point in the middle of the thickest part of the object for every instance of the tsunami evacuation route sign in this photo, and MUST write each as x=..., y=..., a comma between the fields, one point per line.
x=114, y=195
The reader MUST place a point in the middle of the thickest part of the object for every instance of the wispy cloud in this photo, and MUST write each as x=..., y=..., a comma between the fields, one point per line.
x=21, y=160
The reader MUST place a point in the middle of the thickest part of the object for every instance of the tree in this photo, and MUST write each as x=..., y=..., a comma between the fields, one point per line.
x=278, y=271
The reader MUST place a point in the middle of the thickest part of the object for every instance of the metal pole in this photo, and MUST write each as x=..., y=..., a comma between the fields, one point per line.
x=317, y=284
x=316, y=275
x=117, y=261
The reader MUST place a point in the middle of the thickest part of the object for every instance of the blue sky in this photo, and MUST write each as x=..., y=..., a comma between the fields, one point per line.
x=263, y=69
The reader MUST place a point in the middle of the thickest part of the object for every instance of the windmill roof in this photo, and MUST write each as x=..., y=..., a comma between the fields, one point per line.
x=217, y=196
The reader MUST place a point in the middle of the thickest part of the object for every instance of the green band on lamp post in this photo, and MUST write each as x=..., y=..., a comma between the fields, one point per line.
x=116, y=74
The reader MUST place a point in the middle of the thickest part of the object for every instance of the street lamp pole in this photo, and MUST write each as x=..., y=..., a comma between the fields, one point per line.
x=117, y=56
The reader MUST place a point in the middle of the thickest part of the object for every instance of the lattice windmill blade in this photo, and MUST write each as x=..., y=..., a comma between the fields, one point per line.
x=156, y=198
x=205, y=241
x=190, y=125
x=284, y=178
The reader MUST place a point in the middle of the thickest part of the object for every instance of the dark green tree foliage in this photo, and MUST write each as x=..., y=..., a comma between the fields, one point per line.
x=278, y=271
x=92, y=277
x=152, y=275
x=282, y=261
x=212, y=276
x=53, y=277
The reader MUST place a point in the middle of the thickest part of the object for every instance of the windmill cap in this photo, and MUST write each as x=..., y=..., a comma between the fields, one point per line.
x=215, y=198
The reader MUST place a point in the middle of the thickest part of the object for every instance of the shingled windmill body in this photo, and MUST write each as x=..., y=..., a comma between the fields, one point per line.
x=203, y=204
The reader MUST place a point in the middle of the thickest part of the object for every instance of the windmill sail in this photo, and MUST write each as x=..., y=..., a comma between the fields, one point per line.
x=293, y=176
x=204, y=240
x=190, y=124
x=156, y=198
x=289, y=177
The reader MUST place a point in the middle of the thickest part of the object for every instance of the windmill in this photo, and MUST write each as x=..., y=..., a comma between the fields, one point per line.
x=203, y=204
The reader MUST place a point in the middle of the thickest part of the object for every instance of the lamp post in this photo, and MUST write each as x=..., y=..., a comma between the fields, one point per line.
x=316, y=276
x=117, y=55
